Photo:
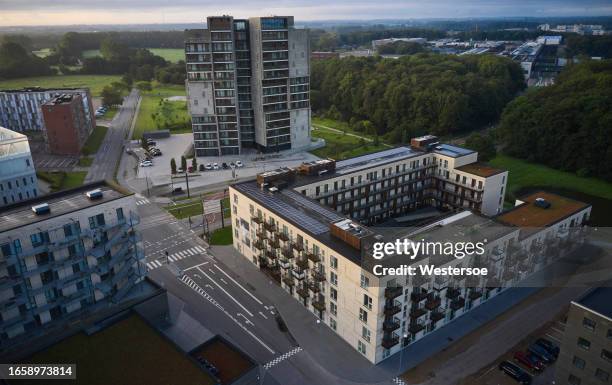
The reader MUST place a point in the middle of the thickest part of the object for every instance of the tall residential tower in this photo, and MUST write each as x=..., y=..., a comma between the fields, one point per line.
x=248, y=85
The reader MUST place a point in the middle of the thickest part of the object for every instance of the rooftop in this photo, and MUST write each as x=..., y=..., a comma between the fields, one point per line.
x=127, y=352
x=62, y=99
x=229, y=361
x=40, y=89
x=452, y=151
x=480, y=169
x=598, y=300
x=60, y=203
x=8, y=136
x=527, y=214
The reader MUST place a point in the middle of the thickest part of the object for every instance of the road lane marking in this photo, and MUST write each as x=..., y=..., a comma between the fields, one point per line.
x=239, y=285
x=263, y=315
x=225, y=291
x=222, y=280
x=245, y=319
x=195, y=266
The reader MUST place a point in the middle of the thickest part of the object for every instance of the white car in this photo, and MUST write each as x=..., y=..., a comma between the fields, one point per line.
x=215, y=166
x=239, y=163
x=208, y=166
x=146, y=163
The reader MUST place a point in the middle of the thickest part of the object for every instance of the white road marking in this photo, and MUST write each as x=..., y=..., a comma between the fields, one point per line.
x=222, y=280
x=552, y=338
x=212, y=271
x=195, y=267
x=287, y=355
x=239, y=285
x=263, y=315
x=225, y=291
x=245, y=319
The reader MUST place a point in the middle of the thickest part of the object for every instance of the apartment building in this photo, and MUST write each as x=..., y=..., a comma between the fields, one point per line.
x=248, y=85
x=586, y=350
x=17, y=174
x=20, y=109
x=320, y=251
x=66, y=124
x=63, y=255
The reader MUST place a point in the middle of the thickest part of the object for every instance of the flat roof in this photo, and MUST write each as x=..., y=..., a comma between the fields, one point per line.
x=40, y=89
x=599, y=301
x=127, y=352
x=528, y=214
x=60, y=203
x=480, y=169
x=452, y=151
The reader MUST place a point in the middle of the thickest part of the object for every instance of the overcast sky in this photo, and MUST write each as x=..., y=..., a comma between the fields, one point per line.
x=56, y=12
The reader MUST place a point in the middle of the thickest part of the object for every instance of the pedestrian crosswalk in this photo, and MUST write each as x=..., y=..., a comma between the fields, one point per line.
x=142, y=201
x=282, y=357
x=398, y=381
x=176, y=256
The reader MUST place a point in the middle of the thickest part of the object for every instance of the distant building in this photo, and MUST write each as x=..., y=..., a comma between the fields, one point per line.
x=550, y=40
x=17, y=174
x=248, y=85
x=319, y=55
x=581, y=29
x=586, y=349
x=65, y=254
x=67, y=125
x=20, y=109
x=379, y=43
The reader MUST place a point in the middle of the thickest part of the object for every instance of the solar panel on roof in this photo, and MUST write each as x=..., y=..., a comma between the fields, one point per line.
x=369, y=160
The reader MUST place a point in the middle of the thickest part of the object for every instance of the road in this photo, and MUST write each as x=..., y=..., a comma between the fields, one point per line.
x=105, y=161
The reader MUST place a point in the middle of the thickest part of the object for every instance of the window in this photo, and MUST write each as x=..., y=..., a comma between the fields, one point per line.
x=361, y=347
x=333, y=262
x=602, y=375
x=588, y=323
x=333, y=278
x=367, y=301
x=120, y=214
x=365, y=281
x=333, y=308
x=333, y=324
x=573, y=380
x=365, y=333
x=606, y=355
x=363, y=315
x=584, y=344
x=39, y=239
x=578, y=362
x=333, y=293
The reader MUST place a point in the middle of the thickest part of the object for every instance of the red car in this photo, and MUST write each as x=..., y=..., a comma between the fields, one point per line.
x=530, y=361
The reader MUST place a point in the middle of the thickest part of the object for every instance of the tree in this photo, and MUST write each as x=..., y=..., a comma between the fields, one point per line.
x=111, y=49
x=111, y=96
x=16, y=62
x=173, y=166
x=127, y=80
x=183, y=163
x=483, y=144
x=194, y=163
x=144, y=86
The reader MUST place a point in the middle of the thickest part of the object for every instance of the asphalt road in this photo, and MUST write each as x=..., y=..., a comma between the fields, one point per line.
x=105, y=161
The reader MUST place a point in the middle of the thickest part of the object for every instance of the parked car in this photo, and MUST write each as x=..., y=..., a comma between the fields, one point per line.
x=128, y=150
x=224, y=165
x=515, y=372
x=201, y=167
x=215, y=166
x=549, y=346
x=239, y=163
x=529, y=361
x=177, y=190
x=541, y=353
x=208, y=166
x=146, y=163
x=151, y=142
x=232, y=165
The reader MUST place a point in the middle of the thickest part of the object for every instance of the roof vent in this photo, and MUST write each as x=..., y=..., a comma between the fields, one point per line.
x=273, y=189
x=41, y=209
x=94, y=194
x=542, y=203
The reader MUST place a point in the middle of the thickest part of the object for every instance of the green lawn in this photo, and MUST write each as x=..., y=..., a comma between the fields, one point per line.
x=524, y=174
x=85, y=162
x=154, y=116
x=185, y=210
x=94, y=141
x=42, y=52
x=61, y=180
x=110, y=113
x=222, y=236
x=341, y=146
x=171, y=54
x=95, y=83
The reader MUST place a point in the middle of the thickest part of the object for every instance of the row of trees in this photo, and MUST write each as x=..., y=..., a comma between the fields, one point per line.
x=568, y=125
x=413, y=95
x=401, y=48
x=16, y=62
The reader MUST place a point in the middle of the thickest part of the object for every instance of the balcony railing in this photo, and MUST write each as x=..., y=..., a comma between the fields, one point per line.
x=319, y=304
x=474, y=294
x=314, y=287
x=392, y=308
x=287, y=253
x=302, y=263
x=297, y=246
x=288, y=280
x=257, y=220
x=393, y=292
x=418, y=295
x=452, y=293
x=390, y=340
x=436, y=316
x=283, y=237
x=258, y=245
x=432, y=302
x=391, y=324
x=303, y=292
x=417, y=312
x=298, y=274
x=313, y=257
x=457, y=304
x=416, y=327
x=318, y=276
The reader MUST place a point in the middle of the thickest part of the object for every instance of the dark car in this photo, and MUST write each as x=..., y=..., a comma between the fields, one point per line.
x=515, y=372
x=224, y=165
x=201, y=167
x=151, y=142
x=529, y=361
x=541, y=353
x=549, y=346
x=177, y=190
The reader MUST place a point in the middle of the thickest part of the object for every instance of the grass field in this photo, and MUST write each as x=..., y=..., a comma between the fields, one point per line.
x=171, y=54
x=110, y=113
x=193, y=207
x=42, y=52
x=222, y=236
x=62, y=180
x=94, y=141
x=150, y=105
x=85, y=162
x=341, y=146
x=95, y=83
x=524, y=174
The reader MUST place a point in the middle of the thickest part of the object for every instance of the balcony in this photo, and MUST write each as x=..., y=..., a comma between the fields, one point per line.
x=436, y=316
x=271, y=254
x=269, y=226
x=417, y=312
x=393, y=292
x=284, y=264
x=302, y=263
x=313, y=257
x=319, y=304
x=392, y=308
x=418, y=295
x=474, y=294
x=298, y=274
x=288, y=281
x=297, y=246
x=274, y=243
x=391, y=324
x=287, y=253
x=416, y=327
x=318, y=276
x=283, y=237
x=303, y=292
x=257, y=220
x=390, y=341
x=258, y=245
x=314, y=287
x=261, y=235
x=458, y=303
x=432, y=302
x=453, y=293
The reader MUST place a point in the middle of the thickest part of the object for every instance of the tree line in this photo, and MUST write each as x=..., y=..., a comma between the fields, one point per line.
x=568, y=125
x=414, y=95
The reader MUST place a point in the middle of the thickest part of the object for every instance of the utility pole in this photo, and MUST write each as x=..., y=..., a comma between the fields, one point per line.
x=166, y=252
x=222, y=221
x=187, y=182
